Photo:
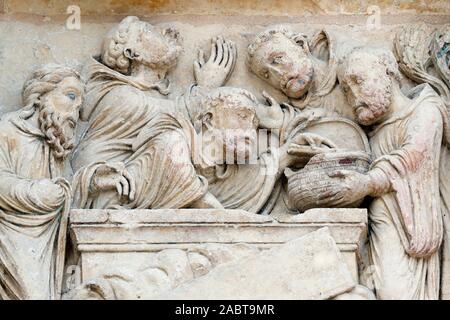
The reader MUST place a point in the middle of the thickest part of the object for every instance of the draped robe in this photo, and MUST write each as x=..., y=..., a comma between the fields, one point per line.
x=128, y=121
x=247, y=187
x=406, y=223
x=32, y=229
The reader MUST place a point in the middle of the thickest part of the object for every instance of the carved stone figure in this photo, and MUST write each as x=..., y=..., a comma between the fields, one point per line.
x=227, y=119
x=407, y=135
x=419, y=51
x=35, y=197
x=137, y=145
x=440, y=52
x=170, y=195
x=305, y=70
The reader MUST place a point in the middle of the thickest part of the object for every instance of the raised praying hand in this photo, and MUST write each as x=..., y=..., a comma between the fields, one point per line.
x=217, y=70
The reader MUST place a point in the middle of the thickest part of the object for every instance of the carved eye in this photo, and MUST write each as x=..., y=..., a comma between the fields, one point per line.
x=265, y=74
x=300, y=42
x=72, y=96
x=277, y=60
x=356, y=79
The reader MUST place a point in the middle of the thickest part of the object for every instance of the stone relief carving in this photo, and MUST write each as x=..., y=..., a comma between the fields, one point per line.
x=417, y=50
x=435, y=72
x=406, y=228
x=304, y=69
x=440, y=53
x=350, y=136
x=134, y=134
x=169, y=269
x=35, y=197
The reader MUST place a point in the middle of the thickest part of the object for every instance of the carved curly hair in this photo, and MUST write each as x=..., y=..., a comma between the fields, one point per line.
x=42, y=81
x=269, y=33
x=202, y=102
x=114, y=45
x=384, y=57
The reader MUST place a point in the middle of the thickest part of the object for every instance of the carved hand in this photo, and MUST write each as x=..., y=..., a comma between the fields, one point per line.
x=309, y=144
x=355, y=186
x=270, y=117
x=49, y=193
x=215, y=72
x=114, y=176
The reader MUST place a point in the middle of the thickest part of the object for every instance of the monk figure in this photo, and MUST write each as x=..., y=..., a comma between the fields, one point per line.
x=408, y=136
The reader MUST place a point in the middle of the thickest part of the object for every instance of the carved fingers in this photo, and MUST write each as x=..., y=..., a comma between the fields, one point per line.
x=333, y=197
x=218, y=68
x=314, y=140
x=353, y=186
x=305, y=144
x=270, y=100
x=131, y=185
x=270, y=117
x=114, y=176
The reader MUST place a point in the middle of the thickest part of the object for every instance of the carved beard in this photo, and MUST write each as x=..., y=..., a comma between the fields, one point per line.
x=51, y=125
x=372, y=107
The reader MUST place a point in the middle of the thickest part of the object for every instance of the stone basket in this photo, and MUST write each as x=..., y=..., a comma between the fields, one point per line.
x=310, y=184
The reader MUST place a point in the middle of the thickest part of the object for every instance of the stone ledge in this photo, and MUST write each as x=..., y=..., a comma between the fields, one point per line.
x=119, y=236
x=142, y=216
x=141, y=229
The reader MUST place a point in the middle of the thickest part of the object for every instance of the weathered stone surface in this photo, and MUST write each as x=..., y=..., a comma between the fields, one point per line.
x=407, y=228
x=106, y=238
x=35, y=195
x=244, y=137
x=310, y=267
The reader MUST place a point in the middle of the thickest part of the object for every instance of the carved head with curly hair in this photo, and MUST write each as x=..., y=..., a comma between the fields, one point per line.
x=54, y=94
x=366, y=76
x=134, y=42
x=282, y=58
x=227, y=120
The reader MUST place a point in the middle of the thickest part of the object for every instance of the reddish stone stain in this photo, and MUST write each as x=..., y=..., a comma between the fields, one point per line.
x=346, y=161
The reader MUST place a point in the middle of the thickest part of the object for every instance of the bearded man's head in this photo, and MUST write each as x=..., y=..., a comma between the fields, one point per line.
x=227, y=118
x=56, y=93
x=366, y=76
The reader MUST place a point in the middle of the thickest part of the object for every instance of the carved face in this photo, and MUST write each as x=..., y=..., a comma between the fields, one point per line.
x=59, y=113
x=367, y=86
x=231, y=125
x=152, y=46
x=285, y=64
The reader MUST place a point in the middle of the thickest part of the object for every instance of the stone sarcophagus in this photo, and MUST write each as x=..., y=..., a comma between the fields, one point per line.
x=121, y=243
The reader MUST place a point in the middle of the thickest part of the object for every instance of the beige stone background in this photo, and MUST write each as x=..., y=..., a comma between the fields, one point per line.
x=34, y=32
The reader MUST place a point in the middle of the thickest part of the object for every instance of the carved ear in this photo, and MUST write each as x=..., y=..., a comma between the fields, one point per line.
x=302, y=40
x=130, y=53
x=172, y=34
